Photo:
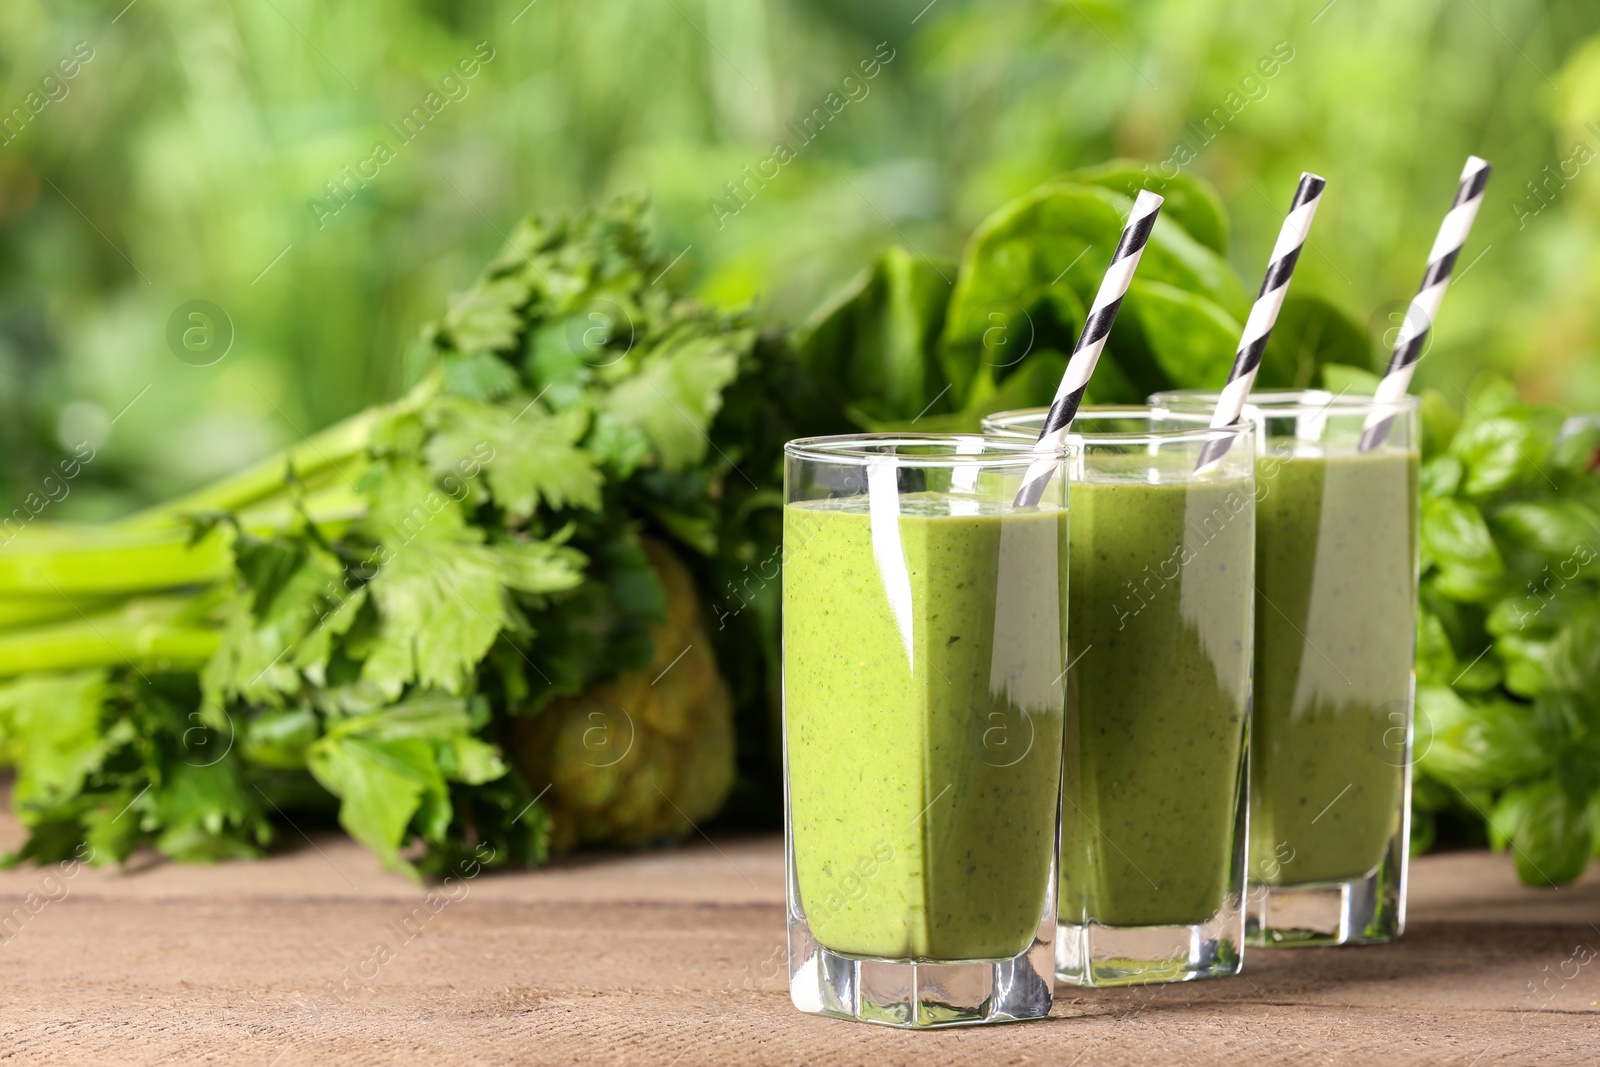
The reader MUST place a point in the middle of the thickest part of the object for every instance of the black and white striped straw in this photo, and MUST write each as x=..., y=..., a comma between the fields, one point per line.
x=1424, y=307
x=1069, y=394
x=1264, y=314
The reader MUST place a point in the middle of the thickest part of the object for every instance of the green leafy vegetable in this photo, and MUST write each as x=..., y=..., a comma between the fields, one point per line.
x=1312, y=340
x=1190, y=338
x=923, y=344
x=354, y=629
x=1509, y=642
x=1191, y=203
x=872, y=345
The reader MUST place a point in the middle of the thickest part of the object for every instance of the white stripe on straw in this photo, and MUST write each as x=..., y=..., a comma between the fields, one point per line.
x=1096, y=327
x=1424, y=309
x=1264, y=314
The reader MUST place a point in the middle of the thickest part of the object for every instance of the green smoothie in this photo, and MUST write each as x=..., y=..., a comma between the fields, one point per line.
x=1157, y=699
x=923, y=738
x=1336, y=567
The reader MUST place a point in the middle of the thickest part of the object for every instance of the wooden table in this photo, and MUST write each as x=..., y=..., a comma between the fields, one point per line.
x=678, y=957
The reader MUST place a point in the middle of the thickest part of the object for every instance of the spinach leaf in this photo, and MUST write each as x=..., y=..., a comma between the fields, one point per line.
x=1063, y=232
x=1033, y=385
x=1456, y=539
x=1343, y=379
x=1550, y=537
x=1577, y=450
x=1547, y=830
x=1436, y=658
x=1440, y=422
x=1190, y=203
x=872, y=345
x=1573, y=664
x=1191, y=339
x=1441, y=476
x=1503, y=451
x=1490, y=744
x=1540, y=610
x=1524, y=658
x=1310, y=334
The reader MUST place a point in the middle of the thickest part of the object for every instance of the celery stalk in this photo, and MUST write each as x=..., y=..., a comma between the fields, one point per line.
x=149, y=634
x=110, y=562
x=59, y=564
x=38, y=610
x=334, y=456
x=340, y=445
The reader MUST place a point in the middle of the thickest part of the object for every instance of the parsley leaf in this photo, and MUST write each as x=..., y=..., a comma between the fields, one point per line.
x=676, y=392
x=527, y=456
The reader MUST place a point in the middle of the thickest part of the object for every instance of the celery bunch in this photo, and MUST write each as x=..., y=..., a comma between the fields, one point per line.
x=362, y=624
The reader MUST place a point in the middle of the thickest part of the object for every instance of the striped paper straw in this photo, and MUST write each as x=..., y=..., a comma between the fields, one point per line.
x=1424, y=307
x=1069, y=394
x=1264, y=314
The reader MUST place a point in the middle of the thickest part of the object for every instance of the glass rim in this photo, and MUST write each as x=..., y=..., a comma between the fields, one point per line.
x=1284, y=403
x=856, y=449
x=1199, y=432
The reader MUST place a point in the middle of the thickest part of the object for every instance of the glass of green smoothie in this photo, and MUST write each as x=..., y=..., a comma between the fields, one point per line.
x=1336, y=613
x=924, y=630
x=1158, y=696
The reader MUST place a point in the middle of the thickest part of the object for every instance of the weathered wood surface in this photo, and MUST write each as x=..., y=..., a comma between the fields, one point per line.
x=677, y=957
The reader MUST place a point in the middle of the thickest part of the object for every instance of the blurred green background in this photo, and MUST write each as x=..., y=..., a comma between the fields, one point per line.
x=187, y=155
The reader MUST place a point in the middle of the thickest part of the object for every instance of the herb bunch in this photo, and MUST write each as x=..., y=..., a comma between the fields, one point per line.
x=359, y=625
x=1508, y=648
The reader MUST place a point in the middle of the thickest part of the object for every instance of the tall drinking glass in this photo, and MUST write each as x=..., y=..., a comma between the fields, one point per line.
x=924, y=629
x=1336, y=589
x=1158, y=696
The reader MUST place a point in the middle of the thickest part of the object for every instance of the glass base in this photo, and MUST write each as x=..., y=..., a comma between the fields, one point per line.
x=1095, y=955
x=1360, y=911
x=915, y=993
